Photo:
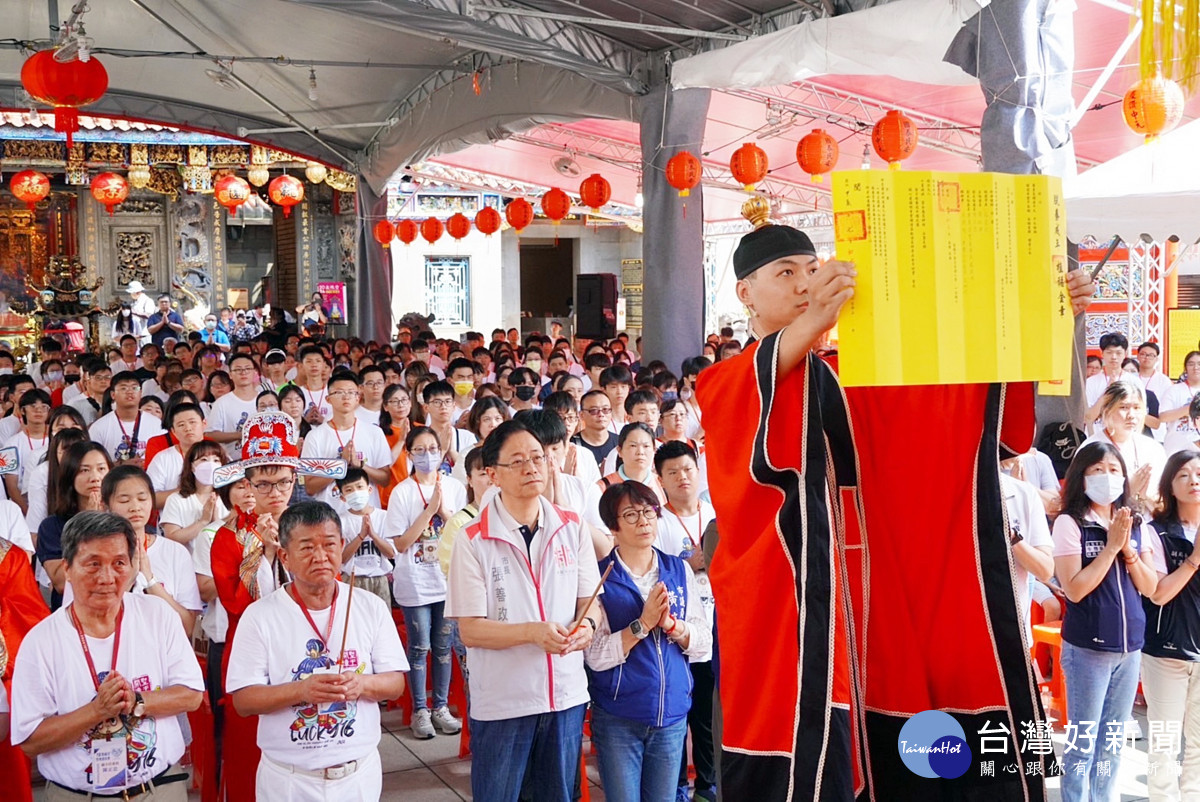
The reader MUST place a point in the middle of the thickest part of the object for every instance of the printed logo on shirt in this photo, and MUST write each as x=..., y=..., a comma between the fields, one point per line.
x=564, y=559
x=142, y=684
x=141, y=740
x=315, y=725
x=1092, y=548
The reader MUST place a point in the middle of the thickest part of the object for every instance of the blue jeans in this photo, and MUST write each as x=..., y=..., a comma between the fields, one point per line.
x=1100, y=690
x=426, y=627
x=549, y=743
x=638, y=763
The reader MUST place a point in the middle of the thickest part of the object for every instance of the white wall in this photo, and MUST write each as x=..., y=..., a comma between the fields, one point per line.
x=486, y=296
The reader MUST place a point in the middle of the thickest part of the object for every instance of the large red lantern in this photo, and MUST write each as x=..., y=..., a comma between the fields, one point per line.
x=407, y=230
x=286, y=191
x=519, y=214
x=595, y=191
x=817, y=153
x=110, y=189
x=748, y=165
x=30, y=186
x=1153, y=106
x=458, y=226
x=64, y=85
x=231, y=191
x=487, y=221
x=556, y=205
x=384, y=232
x=683, y=172
x=894, y=138
x=431, y=229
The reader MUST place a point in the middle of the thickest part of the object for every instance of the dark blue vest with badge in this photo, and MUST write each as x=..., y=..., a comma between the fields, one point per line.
x=1110, y=618
x=1173, y=629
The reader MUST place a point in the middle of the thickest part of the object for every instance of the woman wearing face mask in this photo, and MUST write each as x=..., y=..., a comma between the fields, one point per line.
x=195, y=505
x=416, y=514
x=395, y=421
x=1105, y=560
x=185, y=425
x=1122, y=416
x=164, y=569
x=1171, y=653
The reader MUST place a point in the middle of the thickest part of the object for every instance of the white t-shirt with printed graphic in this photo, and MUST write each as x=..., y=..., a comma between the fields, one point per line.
x=418, y=578
x=51, y=678
x=275, y=644
x=326, y=442
x=29, y=453
x=110, y=433
x=229, y=414
x=318, y=399
x=367, y=561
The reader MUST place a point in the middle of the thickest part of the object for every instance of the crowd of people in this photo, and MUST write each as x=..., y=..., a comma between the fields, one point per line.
x=294, y=509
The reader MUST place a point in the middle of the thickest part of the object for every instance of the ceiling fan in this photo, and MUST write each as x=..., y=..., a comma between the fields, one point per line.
x=567, y=166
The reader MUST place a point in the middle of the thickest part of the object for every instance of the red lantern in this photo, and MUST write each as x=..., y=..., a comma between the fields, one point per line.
x=487, y=221
x=407, y=230
x=1153, y=106
x=431, y=229
x=556, y=205
x=286, y=191
x=384, y=233
x=30, y=186
x=231, y=191
x=894, y=138
x=458, y=226
x=683, y=172
x=748, y=165
x=595, y=191
x=110, y=189
x=64, y=85
x=817, y=153
x=519, y=214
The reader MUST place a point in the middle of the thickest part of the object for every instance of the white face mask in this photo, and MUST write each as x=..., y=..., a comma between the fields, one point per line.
x=357, y=499
x=1104, y=488
x=6, y=371
x=203, y=471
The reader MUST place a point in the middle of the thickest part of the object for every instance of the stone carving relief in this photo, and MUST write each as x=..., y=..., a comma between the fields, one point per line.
x=135, y=257
x=193, y=239
x=346, y=241
x=141, y=206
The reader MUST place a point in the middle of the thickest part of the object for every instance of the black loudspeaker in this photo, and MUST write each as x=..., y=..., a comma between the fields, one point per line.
x=596, y=305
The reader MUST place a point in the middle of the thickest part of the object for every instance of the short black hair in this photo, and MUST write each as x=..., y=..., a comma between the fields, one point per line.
x=597, y=360
x=630, y=428
x=617, y=374
x=500, y=435
x=639, y=397
x=459, y=364
x=673, y=449
x=344, y=376
x=546, y=425
x=693, y=365
x=437, y=388
x=241, y=355
x=126, y=376
x=1150, y=344
x=618, y=494
x=306, y=513
x=353, y=475
x=310, y=350
x=560, y=401
x=523, y=375
x=1112, y=339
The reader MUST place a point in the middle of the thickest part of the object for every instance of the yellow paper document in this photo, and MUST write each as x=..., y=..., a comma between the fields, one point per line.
x=961, y=278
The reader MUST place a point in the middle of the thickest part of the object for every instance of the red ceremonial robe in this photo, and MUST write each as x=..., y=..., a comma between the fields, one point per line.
x=862, y=577
x=21, y=606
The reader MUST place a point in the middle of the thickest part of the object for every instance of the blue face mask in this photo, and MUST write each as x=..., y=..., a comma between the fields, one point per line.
x=670, y=395
x=427, y=462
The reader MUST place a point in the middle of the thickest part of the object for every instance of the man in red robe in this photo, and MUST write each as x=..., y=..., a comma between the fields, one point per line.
x=863, y=573
x=21, y=606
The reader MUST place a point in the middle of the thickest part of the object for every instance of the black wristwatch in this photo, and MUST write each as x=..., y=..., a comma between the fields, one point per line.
x=139, y=705
x=1015, y=538
x=638, y=631
x=591, y=622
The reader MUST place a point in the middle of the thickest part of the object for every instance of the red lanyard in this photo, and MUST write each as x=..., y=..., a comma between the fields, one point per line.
x=30, y=439
x=699, y=519
x=332, y=609
x=87, y=653
x=318, y=404
x=338, y=434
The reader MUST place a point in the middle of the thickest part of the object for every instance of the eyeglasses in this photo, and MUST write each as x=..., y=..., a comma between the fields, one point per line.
x=344, y=394
x=520, y=464
x=441, y=403
x=282, y=486
x=399, y=402
x=420, y=452
x=243, y=370
x=598, y=412
x=632, y=516
x=374, y=385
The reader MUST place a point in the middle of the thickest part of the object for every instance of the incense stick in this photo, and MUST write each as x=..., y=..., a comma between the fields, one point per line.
x=588, y=606
x=346, y=628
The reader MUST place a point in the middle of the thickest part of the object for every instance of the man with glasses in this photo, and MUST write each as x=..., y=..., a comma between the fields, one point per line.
x=595, y=410
x=373, y=384
x=230, y=412
x=125, y=431
x=440, y=404
x=519, y=579
x=345, y=437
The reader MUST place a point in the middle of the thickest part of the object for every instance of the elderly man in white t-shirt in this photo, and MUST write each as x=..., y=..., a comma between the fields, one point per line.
x=520, y=576
x=313, y=667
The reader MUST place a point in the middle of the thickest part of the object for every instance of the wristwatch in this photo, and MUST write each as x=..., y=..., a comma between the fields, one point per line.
x=639, y=631
x=591, y=622
x=139, y=705
x=1015, y=538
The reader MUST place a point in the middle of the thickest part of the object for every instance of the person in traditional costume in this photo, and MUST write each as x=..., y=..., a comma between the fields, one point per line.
x=245, y=561
x=850, y=593
x=21, y=606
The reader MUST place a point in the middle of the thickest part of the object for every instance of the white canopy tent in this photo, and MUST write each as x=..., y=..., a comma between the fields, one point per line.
x=1152, y=189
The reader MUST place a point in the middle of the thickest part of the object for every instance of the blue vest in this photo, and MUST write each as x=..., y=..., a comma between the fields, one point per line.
x=654, y=684
x=1110, y=618
x=1173, y=630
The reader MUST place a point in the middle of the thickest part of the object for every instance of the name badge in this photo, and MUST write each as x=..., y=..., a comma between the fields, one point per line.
x=325, y=708
x=109, y=763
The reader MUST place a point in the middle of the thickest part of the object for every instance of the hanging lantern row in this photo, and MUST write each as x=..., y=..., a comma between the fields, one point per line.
x=487, y=220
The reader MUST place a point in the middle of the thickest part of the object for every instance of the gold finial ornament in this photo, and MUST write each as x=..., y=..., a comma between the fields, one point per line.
x=758, y=211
